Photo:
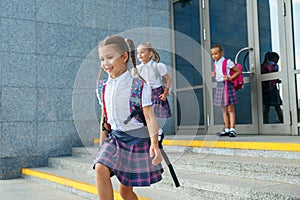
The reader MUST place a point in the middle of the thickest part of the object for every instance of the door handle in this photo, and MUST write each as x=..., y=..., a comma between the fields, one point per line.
x=240, y=51
x=247, y=71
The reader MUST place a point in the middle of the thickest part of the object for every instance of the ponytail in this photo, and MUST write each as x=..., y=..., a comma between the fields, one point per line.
x=266, y=58
x=133, y=59
x=155, y=56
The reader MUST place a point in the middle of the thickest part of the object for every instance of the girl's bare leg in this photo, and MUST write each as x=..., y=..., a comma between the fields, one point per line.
x=231, y=113
x=127, y=192
x=225, y=116
x=103, y=182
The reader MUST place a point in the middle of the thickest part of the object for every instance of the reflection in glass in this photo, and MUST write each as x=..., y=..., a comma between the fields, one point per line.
x=296, y=27
x=268, y=27
x=272, y=112
x=270, y=90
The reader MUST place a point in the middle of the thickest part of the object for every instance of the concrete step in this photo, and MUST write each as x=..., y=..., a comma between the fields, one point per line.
x=203, y=174
x=84, y=185
x=271, y=167
x=212, y=186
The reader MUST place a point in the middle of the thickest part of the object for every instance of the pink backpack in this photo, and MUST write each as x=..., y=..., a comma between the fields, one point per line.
x=238, y=82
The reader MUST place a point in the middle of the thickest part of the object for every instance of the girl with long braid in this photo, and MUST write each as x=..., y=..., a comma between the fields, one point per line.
x=129, y=151
x=154, y=72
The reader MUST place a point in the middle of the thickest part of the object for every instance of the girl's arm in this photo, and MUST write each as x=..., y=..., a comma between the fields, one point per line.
x=235, y=75
x=103, y=133
x=153, y=133
x=168, y=81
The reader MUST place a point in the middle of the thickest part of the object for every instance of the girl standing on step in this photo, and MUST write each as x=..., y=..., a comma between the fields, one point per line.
x=154, y=72
x=129, y=151
x=227, y=105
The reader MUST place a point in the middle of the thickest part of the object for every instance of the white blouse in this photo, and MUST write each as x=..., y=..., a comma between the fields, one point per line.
x=152, y=72
x=219, y=71
x=117, y=95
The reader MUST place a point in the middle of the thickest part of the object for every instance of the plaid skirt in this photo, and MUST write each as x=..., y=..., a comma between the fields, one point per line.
x=161, y=108
x=131, y=164
x=219, y=94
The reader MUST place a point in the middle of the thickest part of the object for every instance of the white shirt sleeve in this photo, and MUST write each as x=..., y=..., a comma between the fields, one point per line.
x=162, y=69
x=146, y=95
x=230, y=64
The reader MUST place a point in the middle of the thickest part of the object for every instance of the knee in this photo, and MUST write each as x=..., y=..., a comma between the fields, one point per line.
x=126, y=192
x=101, y=170
x=230, y=109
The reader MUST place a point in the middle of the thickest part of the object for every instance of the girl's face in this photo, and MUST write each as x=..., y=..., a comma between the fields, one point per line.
x=112, y=61
x=144, y=55
x=216, y=53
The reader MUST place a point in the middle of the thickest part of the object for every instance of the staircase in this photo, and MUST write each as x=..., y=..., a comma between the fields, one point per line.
x=204, y=173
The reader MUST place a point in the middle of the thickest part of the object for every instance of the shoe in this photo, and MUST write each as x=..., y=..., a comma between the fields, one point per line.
x=223, y=133
x=232, y=134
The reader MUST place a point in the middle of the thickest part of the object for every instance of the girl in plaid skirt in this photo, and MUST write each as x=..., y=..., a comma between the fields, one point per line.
x=130, y=150
x=154, y=72
x=225, y=95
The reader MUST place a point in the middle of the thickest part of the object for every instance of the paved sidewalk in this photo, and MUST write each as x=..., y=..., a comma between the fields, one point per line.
x=21, y=189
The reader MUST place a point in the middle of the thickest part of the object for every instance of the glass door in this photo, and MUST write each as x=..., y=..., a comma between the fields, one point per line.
x=262, y=34
x=230, y=25
x=272, y=68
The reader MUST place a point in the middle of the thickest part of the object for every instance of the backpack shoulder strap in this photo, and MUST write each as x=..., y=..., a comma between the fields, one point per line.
x=100, y=89
x=135, y=101
x=100, y=92
x=224, y=66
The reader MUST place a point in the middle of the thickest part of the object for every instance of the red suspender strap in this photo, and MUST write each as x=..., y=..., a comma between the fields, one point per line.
x=224, y=69
x=103, y=100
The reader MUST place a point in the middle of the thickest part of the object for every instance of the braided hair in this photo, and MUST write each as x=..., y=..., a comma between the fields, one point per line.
x=133, y=58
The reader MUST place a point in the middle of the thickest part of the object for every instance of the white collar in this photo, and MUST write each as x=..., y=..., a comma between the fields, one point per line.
x=220, y=60
x=123, y=78
x=149, y=63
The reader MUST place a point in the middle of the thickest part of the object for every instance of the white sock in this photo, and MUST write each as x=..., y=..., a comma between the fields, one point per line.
x=232, y=129
x=227, y=130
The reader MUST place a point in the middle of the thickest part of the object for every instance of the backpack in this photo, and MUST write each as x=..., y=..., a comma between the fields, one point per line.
x=238, y=82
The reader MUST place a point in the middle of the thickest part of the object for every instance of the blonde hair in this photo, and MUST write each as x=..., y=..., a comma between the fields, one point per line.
x=149, y=47
x=123, y=46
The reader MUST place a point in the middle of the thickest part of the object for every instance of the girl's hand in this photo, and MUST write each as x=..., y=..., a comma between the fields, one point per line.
x=226, y=78
x=155, y=154
x=163, y=97
x=213, y=74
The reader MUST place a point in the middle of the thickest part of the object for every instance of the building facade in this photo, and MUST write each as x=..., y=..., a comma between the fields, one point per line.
x=49, y=66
